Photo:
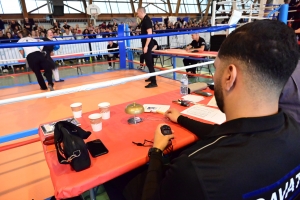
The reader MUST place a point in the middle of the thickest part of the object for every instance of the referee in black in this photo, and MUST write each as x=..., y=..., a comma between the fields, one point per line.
x=147, y=44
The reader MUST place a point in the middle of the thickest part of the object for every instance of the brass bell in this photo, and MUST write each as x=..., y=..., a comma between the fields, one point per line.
x=134, y=109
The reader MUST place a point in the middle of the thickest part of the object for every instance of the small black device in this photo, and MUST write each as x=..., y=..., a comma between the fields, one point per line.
x=194, y=51
x=166, y=130
x=206, y=94
x=182, y=102
x=96, y=148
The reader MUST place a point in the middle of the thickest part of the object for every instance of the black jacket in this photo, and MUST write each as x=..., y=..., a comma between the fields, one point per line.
x=241, y=159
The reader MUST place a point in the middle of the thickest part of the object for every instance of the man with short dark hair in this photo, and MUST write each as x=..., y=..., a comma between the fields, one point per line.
x=255, y=153
x=198, y=44
x=66, y=26
x=147, y=44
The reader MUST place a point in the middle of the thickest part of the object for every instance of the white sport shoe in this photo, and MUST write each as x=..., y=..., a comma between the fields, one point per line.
x=79, y=61
x=50, y=87
x=109, y=68
x=83, y=60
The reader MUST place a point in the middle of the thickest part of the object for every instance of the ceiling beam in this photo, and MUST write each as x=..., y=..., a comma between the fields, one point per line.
x=158, y=7
x=206, y=11
x=177, y=7
x=132, y=8
x=37, y=8
x=84, y=5
x=140, y=3
x=198, y=5
x=74, y=8
x=169, y=6
x=24, y=9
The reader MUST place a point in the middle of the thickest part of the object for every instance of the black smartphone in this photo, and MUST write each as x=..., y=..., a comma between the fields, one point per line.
x=96, y=148
x=206, y=94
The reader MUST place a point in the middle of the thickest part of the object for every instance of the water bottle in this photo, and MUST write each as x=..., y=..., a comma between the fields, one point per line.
x=184, y=85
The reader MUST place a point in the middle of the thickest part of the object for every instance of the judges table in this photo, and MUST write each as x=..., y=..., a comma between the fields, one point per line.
x=117, y=135
x=182, y=52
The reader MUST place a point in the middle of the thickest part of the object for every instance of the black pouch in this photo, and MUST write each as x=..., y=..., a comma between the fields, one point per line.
x=70, y=147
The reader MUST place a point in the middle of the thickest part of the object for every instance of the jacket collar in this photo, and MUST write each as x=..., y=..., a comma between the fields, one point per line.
x=250, y=125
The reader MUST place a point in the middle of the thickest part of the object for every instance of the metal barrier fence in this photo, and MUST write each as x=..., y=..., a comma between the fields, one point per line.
x=11, y=56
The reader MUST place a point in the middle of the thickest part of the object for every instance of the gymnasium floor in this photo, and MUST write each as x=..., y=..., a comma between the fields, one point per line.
x=23, y=171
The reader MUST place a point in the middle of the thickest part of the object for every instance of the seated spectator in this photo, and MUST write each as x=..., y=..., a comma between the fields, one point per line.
x=55, y=26
x=15, y=24
x=9, y=38
x=112, y=45
x=91, y=27
x=86, y=34
x=239, y=158
x=36, y=26
x=68, y=35
x=142, y=57
x=66, y=26
x=92, y=34
x=27, y=25
x=2, y=36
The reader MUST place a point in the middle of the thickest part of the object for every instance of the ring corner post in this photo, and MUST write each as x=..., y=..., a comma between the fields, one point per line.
x=283, y=13
x=129, y=51
x=122, y=47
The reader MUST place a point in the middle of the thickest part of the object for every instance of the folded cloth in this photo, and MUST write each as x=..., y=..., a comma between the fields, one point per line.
x=196, y=86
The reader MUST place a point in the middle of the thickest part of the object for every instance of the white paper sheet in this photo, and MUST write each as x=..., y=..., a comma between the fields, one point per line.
x=193, y=98
x=156, y=108
x=212, y=102
x=206, y=113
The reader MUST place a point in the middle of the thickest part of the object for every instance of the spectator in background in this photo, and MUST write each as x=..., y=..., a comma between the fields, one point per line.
x=33, y=34
x=109, y=25
x=77, y=29
x=15, y=24
x=2, y=36
x=68, y=35
x=1, y=24
x=115, y=23
x=27, y=25
x=91, y=27
x=166, y=20
x=9, y=38
x=85, y=34
x=66, y=26
x=112, y=45
x=103, y=25
x=55, y=26
x=91, y=34
x=42, y=35
x=36, y=26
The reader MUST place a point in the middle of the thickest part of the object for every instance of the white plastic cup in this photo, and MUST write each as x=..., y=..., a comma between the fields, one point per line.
x=76, y=109
x=104, y=110
x=96, y=121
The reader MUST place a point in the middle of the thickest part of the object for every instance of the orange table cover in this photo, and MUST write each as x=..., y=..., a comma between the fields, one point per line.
x=117, y=135
x=183, y=52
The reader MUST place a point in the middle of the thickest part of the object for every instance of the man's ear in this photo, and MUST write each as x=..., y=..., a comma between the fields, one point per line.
x=230, y=75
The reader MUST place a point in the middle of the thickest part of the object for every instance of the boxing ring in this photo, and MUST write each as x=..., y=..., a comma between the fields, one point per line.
x=127, y=47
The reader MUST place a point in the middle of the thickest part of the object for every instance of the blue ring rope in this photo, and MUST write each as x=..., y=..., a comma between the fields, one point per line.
x=29, y=44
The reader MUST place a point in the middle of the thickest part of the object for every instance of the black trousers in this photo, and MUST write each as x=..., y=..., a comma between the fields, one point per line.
x=142, y=59
x=188, y=62
x=149, y=61
x=37, y=62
